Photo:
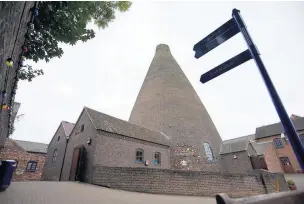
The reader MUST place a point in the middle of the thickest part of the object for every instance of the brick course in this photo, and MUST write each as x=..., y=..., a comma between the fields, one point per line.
x=165, y=181
x=12, y=151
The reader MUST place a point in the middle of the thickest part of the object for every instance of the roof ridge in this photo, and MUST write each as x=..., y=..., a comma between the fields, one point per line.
x=126, y=122
x=296, y=119
x=64, y=128
x=29, y=141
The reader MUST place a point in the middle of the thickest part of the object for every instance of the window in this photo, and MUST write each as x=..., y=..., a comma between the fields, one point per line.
x=82, y=128
x=156, y=158
x=302, y=138
x=58, y=138
x=208, y=151
x=139, y=156
x=54, y=155
x=31, y=166
x=284, y=161
x=278, y=143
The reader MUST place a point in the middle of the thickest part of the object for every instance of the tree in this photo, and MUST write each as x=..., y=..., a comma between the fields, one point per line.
x=66, y=22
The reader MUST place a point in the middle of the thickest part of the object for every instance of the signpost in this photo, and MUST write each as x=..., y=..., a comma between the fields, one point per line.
x=225, y=32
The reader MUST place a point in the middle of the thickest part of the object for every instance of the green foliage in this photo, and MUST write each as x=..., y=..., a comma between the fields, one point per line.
x=290, y=182
x=66, y=22
x=28, y=73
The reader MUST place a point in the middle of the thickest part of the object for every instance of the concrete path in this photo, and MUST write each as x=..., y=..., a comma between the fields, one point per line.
x=41, y=192
x=297, y=178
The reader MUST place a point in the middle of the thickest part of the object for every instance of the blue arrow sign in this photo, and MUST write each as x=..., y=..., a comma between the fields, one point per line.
x=217, y=37
x=226, y=66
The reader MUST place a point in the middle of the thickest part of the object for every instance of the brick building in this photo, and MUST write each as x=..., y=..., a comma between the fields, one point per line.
x=168, y=103
x=30, y=158
x=169, y=145
x=279, y=154
x=273, y=150
x=169, y=128
x=56, y=152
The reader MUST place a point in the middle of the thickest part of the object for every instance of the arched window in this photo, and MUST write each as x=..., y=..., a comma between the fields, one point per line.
x=58, y=138
x=278, y=143
x=139, y=156
x=302, y=138
x=208, y=151
x=157, y=158
x=54, y=155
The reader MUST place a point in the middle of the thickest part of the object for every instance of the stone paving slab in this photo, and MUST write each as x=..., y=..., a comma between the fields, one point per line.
x=41, y=192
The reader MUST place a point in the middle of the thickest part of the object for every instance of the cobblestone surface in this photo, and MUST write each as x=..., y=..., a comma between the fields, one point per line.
x=78, y=193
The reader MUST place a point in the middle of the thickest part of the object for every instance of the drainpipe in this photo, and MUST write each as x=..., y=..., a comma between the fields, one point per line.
x=66, y=144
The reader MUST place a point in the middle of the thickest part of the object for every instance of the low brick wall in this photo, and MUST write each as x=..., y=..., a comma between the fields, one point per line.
x=274, y=182
x=165, y=181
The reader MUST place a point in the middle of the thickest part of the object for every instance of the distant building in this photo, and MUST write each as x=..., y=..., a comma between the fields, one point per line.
x=30, y=157
x=169, y=128
x=279, y=155
x=98, y=139
x=56, y=152
x=273, y=150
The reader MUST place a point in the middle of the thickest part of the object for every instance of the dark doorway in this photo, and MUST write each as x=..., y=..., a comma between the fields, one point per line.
x=258, y=162
x=78, y=164
x=287, y=167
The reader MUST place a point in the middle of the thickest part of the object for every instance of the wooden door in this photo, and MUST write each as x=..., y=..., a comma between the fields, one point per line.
x=74, y=165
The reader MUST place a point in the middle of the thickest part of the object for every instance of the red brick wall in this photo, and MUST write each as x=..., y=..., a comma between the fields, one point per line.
x=287, y=151
x=272, y=161
x=13, y=151
x=179, y=182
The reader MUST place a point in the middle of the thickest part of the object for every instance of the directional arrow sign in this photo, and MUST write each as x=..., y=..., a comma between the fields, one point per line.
x=226, y=66
x=217, y=37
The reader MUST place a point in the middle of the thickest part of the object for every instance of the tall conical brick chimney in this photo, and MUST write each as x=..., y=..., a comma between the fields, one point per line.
x=168, y=103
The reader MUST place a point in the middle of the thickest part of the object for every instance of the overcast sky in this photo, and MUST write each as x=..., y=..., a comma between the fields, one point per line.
x=107, y=72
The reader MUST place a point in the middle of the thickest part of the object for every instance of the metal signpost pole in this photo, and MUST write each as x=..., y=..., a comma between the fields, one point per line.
x=287, y=124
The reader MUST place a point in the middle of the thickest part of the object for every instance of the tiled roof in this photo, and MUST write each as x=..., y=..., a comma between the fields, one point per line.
x=241, y=144
x=236, y=144
x=32, y=146
x=277, y=128
x=108, y=123
x=67, y=127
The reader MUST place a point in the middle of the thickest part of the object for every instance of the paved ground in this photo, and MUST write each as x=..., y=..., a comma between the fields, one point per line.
x=76, y=193
x=297, y=178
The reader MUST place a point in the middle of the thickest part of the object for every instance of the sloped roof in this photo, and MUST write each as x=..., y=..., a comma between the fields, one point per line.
x=241, y=144
x=32, y=146
x=67, y=127
x=236, y=145
x=260, y=148
x=108, y=123
x=277, y=128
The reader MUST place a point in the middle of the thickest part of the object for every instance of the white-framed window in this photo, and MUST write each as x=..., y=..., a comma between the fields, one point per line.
x=139, y=156
x=31, y=166
x=208, y=151
x=278, y=143
x=157, y=158
x=302, y=138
